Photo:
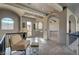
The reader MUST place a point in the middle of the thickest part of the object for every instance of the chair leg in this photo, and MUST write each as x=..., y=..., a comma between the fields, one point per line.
x=25, y=51
x=10, y=52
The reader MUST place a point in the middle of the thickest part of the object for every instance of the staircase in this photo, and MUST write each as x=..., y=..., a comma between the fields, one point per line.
x=2, y=45
x=73, y=42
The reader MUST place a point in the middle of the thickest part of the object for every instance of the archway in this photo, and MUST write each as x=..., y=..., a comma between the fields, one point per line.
x=71, y=28
x=72, y=24
x=78, y=24
x=53, y=28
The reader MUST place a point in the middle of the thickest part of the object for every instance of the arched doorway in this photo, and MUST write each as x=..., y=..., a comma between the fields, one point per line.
x=78, y=24
x=72, y=24
x=71, y=29
x=53, y=28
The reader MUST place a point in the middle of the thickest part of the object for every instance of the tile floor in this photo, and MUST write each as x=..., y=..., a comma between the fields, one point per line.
x=47, y=47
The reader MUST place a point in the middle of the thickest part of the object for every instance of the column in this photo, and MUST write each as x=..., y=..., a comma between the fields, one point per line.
x=62, y=27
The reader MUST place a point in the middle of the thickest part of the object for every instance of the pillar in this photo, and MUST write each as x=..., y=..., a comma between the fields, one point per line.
x=45, y=27
x=62, y=27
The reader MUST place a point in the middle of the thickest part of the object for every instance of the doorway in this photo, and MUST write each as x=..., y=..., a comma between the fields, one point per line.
x=72, y=24
x=53, y=29
x=29, y=28
x=69, y=26
x=33, y=27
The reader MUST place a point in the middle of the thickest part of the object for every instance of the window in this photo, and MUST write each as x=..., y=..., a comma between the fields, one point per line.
x=38, y=26
x=29, y=28
x=7, y=24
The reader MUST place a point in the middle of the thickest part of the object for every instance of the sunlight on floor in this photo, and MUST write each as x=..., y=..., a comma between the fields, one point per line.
x=42, y=40
x=36, y=39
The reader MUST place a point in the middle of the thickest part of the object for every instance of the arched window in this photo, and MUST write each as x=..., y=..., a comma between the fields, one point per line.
x=7, y=24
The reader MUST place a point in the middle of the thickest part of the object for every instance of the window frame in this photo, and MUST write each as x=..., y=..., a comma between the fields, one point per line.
x=11, y=19
x=37, y=26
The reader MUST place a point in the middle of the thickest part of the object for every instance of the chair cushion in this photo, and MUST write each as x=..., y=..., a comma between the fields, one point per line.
x=17, y=43
x=20, y=45
x=15, y=39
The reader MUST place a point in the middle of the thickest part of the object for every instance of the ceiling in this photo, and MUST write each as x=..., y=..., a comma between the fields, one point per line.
x=33, y=9
x=52, y=7
x=74, y=7
x=43, y=7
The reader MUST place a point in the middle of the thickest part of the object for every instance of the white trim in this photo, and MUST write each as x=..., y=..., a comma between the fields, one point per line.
x=2, y=39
